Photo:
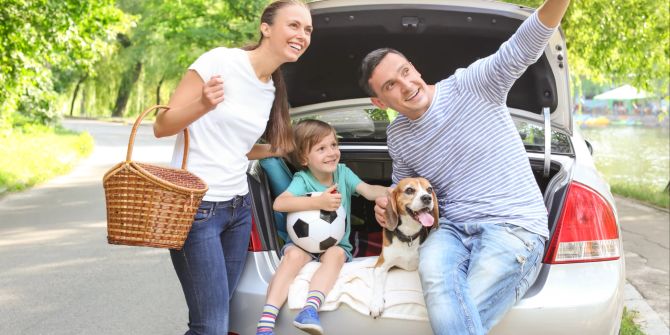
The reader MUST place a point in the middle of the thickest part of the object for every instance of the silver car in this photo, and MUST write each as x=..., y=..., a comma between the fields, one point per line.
x=580, y=286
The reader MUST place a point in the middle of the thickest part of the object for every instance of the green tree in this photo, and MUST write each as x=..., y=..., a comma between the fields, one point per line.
x=618, y=41
x=47, y=45
x=169, y=36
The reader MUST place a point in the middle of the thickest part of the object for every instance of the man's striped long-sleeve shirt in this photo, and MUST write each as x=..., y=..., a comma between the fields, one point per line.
x=466, y=143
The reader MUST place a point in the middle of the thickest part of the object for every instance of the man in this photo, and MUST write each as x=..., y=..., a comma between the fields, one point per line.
x=459, y=135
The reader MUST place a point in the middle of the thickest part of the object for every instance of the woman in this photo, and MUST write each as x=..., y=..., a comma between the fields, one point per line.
x=223, y=136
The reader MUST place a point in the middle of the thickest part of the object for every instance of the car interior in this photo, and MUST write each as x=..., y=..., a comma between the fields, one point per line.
x=365, y=234
x=374, y=168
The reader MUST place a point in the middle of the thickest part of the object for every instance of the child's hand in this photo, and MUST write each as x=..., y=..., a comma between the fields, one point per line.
x=330, y=199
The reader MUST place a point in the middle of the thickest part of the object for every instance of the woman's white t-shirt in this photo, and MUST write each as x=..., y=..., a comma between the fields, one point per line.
x=220, y=139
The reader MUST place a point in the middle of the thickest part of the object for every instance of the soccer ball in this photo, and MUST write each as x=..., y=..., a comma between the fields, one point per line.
x=316, y=230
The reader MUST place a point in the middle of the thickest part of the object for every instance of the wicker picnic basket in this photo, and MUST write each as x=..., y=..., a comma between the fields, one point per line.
x=149, y=205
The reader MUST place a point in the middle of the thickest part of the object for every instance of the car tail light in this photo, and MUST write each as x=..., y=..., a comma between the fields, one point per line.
x=586, y=230
x=255, y=240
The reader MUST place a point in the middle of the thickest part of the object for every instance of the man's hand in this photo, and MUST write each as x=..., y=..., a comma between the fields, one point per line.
x=552, y=11
x=380, y=210
x=330, y=199
x=380, y=207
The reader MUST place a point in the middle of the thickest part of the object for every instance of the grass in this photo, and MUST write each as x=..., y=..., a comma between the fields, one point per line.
x=642, y=193
x=34, y=154
x=628, y=326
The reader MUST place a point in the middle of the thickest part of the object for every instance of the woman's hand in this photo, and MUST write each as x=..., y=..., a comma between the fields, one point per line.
x=212, y=92
x=330, y=199
x=192, y=99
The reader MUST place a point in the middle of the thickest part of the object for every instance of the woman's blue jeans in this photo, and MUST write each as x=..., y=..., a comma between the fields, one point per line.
x=473, y=273
x=211, y=262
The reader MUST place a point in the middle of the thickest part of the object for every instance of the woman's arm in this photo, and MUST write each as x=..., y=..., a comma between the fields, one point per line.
x=371, y=192
x=192, y=99
x=260, y=151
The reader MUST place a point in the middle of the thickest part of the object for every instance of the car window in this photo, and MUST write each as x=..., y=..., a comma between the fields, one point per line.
x=532, y=136
x=356, y=123
x=366, y=124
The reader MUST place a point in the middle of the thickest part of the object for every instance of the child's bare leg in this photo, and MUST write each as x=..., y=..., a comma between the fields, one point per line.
x=293, y=260
x=325, y=276
x=322, y=282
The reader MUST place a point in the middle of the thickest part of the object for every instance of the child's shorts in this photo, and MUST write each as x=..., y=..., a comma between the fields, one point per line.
x=315, y=257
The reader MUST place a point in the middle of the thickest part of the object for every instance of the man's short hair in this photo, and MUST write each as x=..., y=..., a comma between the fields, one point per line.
x=369, y=64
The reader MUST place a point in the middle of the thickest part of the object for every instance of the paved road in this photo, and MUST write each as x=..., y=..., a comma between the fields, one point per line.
x=646, y=236
x=59, y=276
x=57, y=273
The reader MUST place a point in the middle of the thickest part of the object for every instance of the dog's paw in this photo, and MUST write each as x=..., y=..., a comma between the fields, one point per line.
x=376, y=307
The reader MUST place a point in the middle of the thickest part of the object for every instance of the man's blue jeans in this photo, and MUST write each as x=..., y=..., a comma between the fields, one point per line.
x=211, y=262
x=473, y=273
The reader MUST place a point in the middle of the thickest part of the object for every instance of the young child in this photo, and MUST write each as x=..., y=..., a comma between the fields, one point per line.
x=318, y=154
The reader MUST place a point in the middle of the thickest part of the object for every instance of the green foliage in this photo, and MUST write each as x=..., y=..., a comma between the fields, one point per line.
x=41, y=37
x=623, y=41
x=628, y=326
x=642, y=192
x=167, y=38
x=48, y=46
x=36, y=153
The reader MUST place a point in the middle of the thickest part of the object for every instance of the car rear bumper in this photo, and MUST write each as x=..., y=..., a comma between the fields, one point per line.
x=583, y=298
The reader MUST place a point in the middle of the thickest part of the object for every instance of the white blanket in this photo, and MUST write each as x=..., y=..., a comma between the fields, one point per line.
x=403, y=296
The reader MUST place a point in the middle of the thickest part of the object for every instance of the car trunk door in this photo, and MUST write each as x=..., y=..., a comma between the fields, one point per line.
x=438, y=37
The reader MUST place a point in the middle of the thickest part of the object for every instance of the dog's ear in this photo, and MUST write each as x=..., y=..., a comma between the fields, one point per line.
x=436, y=211
x=392, y=210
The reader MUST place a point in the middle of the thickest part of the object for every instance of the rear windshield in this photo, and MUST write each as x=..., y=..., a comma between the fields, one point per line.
x=367, y=125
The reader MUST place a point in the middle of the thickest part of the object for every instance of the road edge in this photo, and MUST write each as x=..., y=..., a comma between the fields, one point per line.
x=650, y=322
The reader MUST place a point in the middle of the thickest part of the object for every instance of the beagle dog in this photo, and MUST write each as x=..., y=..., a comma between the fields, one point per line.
x=411, y=213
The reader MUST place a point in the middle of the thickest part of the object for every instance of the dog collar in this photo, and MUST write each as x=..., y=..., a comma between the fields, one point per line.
x=422, y=234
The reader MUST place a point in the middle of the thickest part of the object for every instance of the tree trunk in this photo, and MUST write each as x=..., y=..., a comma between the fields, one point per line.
x=158, y=91
x=129, y=79
x=82, y=102
x=76, y=91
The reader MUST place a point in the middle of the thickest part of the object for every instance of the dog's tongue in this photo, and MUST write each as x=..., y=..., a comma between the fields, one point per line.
x=426, y=219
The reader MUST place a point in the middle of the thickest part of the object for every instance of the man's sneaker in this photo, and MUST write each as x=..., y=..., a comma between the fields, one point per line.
x=308, y=321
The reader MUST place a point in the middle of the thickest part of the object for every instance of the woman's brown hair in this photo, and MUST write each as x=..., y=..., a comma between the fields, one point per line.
x=307, y=133
x=278, y=130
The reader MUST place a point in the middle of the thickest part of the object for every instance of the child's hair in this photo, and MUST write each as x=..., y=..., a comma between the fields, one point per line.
x=306, y=134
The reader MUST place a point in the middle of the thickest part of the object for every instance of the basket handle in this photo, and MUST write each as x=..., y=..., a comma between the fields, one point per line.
x=131, y=142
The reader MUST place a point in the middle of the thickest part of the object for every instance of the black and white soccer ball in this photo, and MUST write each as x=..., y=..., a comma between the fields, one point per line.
x=316, y=230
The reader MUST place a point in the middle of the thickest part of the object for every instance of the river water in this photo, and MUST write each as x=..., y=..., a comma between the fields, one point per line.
x=630, y=154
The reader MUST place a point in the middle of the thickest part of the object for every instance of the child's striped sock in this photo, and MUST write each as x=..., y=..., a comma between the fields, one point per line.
x=267, y=320
x=314, y=299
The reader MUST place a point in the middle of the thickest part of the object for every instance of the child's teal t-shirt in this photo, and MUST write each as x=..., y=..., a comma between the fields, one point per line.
x=304, y=182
